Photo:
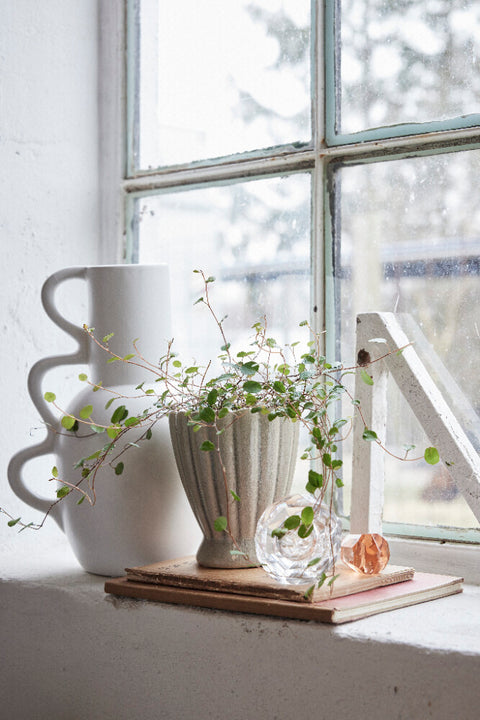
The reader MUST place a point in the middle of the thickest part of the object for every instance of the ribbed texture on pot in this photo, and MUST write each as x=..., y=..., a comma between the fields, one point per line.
x=259, y=458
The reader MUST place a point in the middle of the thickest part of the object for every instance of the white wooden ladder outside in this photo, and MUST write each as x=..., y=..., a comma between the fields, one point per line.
x=379, y=333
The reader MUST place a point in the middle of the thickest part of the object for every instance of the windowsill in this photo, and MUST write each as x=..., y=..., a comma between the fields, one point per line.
x=57, y=618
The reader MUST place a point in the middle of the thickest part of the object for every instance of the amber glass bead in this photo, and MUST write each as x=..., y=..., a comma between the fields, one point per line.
x=367, y=554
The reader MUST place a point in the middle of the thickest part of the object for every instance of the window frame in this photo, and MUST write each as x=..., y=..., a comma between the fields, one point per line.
x=122, y=185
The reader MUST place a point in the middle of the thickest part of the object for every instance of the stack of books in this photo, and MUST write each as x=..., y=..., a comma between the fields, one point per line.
x=350, y=597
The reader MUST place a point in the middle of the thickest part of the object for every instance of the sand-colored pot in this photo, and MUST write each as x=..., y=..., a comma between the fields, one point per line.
x=259, y=457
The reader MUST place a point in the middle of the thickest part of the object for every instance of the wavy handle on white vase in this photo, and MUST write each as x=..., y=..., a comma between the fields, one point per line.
x=143, y=515
x=35, y=377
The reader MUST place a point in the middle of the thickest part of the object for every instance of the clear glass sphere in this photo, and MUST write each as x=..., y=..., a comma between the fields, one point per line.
x=286, y=556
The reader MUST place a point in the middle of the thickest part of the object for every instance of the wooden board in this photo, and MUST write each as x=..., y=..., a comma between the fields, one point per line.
x=423, y=587
x=186, y=573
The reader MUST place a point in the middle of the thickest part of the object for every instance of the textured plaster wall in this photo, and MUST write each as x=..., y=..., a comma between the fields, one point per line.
x=49, y=206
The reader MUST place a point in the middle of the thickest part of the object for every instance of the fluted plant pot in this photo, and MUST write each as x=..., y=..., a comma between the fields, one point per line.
x=259, y=459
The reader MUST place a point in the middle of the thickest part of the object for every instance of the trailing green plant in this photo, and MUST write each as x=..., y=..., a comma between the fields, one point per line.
x=294, y=381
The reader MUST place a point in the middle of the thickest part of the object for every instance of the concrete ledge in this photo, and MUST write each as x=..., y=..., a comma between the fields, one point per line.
x=71, y=652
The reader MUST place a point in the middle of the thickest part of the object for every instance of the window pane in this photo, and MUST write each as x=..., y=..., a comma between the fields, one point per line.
x=217, y=78
x=254, y=237
x=408, y=61
x=409, y=243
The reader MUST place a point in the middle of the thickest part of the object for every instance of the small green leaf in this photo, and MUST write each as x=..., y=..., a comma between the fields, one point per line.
x=327, y=459
x=86, y=411
x=278, y=532
x=307, y=515
x=369, y=435
x=108, y=337
x=336, y=464
x=338, y=482
x=248, y=368
x=313, y=562
x=207, y=414
x=81, y=500
x=109, y=402
x=332, y=580
x=292, y=522
x=119, y=414
x=93, y=456
x=252, y=386
x=321, y=580
x=12, y=523
x=220, y=523
x=367, y=379
x=97, y=429
x=111, y=360
x=119, y=468
x=304, y=531
x=82, y=377
x=308, y=593
x=207, y=446
x=25, y=527
x=234, y=495
x=113, y=431
x=431, y=456
x=278, y=386
x=55, y=472
x=148, y=434
x=315, y=479
x=68, y=422
x=129, y=356
x=177, y=363
x=131, y=421
x=50, y=397
x=223, y=412
x=62, y=492
x=212, y=397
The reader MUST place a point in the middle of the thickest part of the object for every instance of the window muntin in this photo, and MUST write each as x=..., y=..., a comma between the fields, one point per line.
x=219, y=78
x=326, y=226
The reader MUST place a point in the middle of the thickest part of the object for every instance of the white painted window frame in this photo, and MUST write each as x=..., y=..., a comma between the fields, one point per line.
x=427, y=402
x=120, y=188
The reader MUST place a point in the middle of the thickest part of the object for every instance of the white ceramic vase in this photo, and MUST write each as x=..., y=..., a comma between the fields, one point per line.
x=141, y=516
x=259, y=457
